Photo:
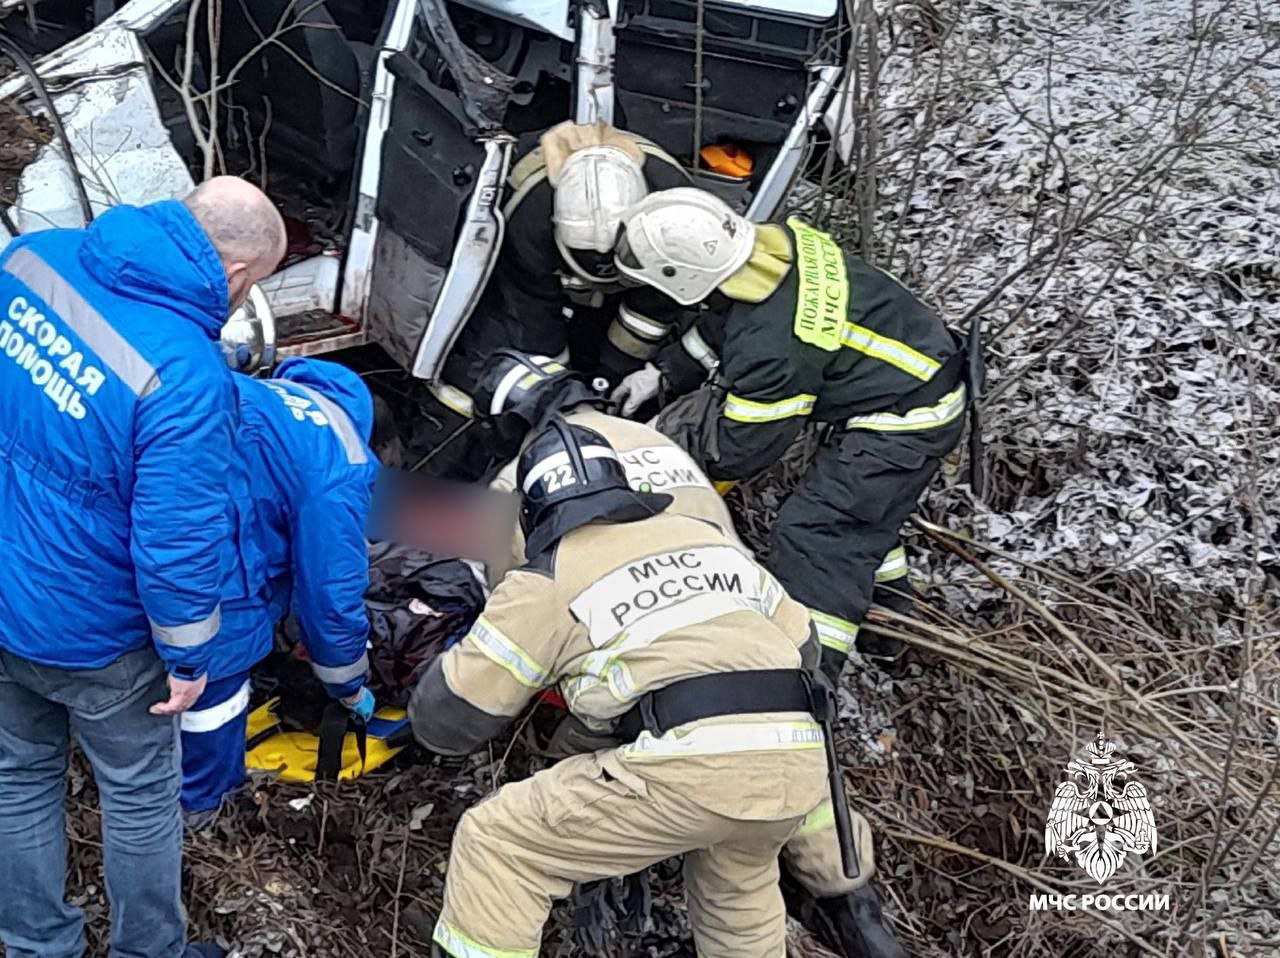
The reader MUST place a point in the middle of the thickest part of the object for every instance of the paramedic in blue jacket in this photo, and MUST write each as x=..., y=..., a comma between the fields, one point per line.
x=114, y=451
x=302, y=482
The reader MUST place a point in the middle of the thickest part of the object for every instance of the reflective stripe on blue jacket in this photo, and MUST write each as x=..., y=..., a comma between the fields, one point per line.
x=115, y=440
x=301, y=493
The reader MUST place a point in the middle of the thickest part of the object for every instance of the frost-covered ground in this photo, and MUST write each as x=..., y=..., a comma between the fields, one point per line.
x=1100, y=183
x=1113, y=169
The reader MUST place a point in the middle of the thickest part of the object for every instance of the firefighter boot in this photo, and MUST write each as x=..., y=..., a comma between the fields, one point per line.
x=883, y=650
x=889, y=653
x=832, y=664
x=854, y=926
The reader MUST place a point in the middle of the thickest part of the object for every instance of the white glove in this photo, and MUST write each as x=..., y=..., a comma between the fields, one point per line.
x=637, y=389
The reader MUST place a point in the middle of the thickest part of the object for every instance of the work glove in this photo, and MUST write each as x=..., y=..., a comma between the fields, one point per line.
x=361, y=704
x=572, y=737
x=637, y=389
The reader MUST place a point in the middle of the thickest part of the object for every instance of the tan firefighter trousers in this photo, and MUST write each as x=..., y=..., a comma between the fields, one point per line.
x=595, y=816
x=813, y=854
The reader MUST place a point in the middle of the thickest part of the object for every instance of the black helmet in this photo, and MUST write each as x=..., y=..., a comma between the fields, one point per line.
x=516, y=393
x=569, y=476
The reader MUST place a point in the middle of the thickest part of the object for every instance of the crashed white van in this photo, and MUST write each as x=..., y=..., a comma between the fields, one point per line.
x=393, y=125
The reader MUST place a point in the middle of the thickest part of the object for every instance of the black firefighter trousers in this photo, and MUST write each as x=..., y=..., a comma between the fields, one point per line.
x=835, y=545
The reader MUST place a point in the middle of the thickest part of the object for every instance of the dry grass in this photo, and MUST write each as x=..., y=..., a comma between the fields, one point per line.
x=956, y=764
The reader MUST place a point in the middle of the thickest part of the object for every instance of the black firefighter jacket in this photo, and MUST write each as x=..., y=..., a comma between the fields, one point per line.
x=811, y=333
x=523, y=306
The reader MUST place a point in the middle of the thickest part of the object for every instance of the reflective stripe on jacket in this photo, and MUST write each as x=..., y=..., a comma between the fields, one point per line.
x=836, y=340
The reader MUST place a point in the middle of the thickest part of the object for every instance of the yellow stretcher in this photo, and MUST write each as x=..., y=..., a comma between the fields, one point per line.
x=296, y=754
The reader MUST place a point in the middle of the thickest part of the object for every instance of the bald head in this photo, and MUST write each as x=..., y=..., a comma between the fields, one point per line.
x=245, y=228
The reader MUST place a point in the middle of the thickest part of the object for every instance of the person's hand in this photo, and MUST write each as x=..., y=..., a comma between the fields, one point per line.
x=637, y=389
x=361, y=703
x=182, y=695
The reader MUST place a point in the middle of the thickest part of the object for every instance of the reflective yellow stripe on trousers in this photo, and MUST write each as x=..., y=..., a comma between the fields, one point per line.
x=894, y=565
x=819, y=820
x=833, y=631
x=459, y=945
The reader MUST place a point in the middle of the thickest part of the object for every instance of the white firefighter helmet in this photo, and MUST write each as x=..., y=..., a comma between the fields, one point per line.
x=683, y=242
x=596, y=185
x=248, y=338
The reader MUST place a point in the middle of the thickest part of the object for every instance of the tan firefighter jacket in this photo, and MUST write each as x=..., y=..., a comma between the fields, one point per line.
x=613, y=611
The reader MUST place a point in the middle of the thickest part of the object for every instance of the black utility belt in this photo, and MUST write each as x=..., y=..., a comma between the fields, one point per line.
x=726, y=693
x=748, y=693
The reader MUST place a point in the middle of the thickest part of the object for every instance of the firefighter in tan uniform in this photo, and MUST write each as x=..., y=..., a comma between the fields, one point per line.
x=518, y=394
x=659, y=629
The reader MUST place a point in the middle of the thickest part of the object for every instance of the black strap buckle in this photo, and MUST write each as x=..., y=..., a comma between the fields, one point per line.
x=822, y=698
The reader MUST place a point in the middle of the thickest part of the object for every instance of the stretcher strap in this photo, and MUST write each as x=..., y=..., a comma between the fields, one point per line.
x=334, y=725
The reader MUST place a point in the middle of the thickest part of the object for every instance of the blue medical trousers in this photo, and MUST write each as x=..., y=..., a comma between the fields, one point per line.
x=213, y=743
x=136, y=763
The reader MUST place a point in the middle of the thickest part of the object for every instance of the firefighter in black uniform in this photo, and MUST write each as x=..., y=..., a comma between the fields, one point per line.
x=556, y=275
x=804, y=332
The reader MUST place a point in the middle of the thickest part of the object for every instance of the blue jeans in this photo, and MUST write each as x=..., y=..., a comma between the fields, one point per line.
x=136, y=762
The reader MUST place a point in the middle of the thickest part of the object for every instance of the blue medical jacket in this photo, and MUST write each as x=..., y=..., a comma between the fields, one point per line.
x=302, y=486
x=115, y=439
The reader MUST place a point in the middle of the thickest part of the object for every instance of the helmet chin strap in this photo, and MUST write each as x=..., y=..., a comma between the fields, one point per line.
x=570, y=259
x=647, y=507
x=571, y=447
